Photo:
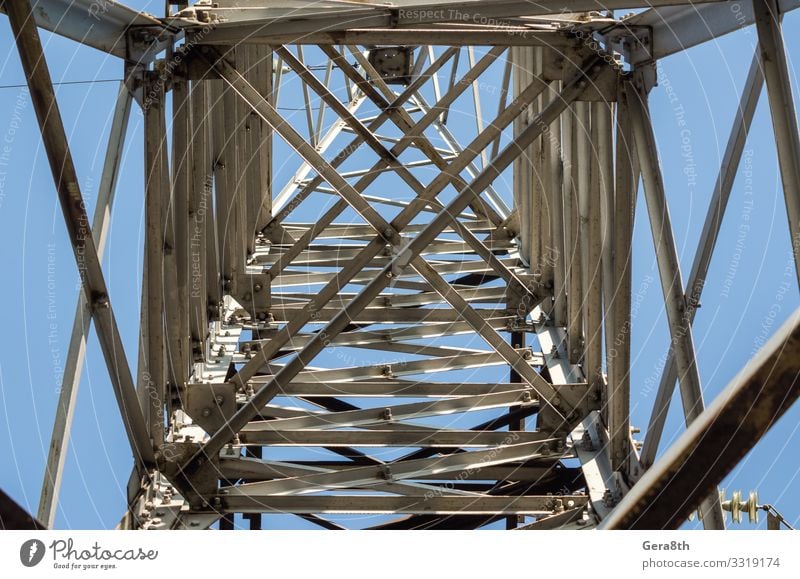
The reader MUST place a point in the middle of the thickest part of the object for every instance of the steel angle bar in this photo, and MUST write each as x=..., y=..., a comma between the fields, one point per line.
x=421, y=504
x=153, y=373
x=384, y=315
x=77, y=222
x=669, y=272
x=391, y=414
x=398, y=471
x=718, y=439
x=306, y=98
x=324, y=255
x=420, y=350
x=71, y=379
x=625, y=189
x=399, y=389
x=520, y=36
x=414, y=367
x=428, y=330
x=553, y=342
x=386, y=438
x=705, y=247
x=784, y=114
x=572, y=89
x=572, y=237
x=359, y=231
x=592, y=252
x=254, y=470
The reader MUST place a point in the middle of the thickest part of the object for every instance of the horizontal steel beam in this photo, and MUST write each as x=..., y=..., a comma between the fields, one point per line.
x=406, y=368
x=295, y=22
x=399, y=389
x=383, y=438
x=392, y=316
x=517, y=36
x=390, y=414
x=409, y=505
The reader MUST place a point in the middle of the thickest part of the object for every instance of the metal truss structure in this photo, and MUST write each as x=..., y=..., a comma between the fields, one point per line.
x=427, y=316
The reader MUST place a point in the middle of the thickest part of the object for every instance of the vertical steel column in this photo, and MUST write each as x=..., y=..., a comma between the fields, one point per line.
x=619, y=351
x=575, y=344
x=784, y=115
x=540, y=210
x=602, y=123
x=517, y=341
x=181, y=184
x=554, y=185
x=521, y=58
x=589, y=203
x=200, y=213
x=155, y=142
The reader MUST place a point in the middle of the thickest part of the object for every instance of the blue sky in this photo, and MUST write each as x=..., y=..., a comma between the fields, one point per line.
x=745, y=300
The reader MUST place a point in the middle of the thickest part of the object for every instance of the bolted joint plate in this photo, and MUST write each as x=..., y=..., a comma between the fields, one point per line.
x=252, y=291
x=210, y=405
x=575, y=401
x=563, y=64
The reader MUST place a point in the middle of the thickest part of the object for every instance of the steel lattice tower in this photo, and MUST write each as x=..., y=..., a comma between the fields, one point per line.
x=412, y=297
